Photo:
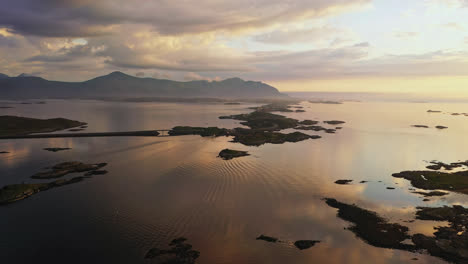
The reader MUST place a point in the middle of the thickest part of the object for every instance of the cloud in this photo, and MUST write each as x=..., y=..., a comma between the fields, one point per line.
x=454, y=26
x=161, y=75
x=257, y=40
x=85, y=18
x=406, y=35
x=308, y=35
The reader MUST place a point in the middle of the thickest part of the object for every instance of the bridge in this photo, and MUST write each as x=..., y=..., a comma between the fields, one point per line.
x=144, y=133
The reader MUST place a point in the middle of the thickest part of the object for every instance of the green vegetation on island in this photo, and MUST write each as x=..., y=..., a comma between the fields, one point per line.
x=436, y=180
x=65, y=168
x=16, y=192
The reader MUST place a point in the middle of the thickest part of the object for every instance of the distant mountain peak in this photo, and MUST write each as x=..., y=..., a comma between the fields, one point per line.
x=4, y=76
x=117, y=74
x=25, y=75
x=233, y=80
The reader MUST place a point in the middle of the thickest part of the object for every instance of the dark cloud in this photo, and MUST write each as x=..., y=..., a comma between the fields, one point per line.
x=82, y=18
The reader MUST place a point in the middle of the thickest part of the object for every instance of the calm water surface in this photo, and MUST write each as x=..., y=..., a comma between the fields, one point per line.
x=160, y=188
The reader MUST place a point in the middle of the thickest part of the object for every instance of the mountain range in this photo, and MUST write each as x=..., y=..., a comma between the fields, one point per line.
x=120, y=85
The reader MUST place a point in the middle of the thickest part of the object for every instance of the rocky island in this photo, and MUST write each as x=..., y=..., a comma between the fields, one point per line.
x=228, y=154
x=263, y=127
x=15, y=125
x=180, y=252
x=449, y=242
x=65, y=168
x=372, y=228
x=16, y=192
x=56, y=149
x=436, y=180
x=343, y=182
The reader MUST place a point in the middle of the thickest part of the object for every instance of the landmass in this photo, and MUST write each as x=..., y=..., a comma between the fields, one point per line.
x=300, y=244
x=324, y=102
x=279, y=106
x=16, y=126
x=118, y=86
x=420, y=126
x=343, y=182
x=264, y=121
x=268, y=238
x=430, y=194
x=65, y=168
x=305, y=244
x=56, y=149
x=263, y=127
x=449, y=242
x=17, y=192
x=257, y=138
x=437, y=165
x=179, y=253
x=228, y=154
x=372, y=228
x=316, y=128
x=334, y=122
x=436, y=180
x=308, y=122
x=202, y=131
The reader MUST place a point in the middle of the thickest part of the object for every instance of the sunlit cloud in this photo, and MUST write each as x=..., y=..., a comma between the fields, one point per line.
x=268, y=40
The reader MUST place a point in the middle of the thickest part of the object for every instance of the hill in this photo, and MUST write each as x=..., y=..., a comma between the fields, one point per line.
x=120, y=85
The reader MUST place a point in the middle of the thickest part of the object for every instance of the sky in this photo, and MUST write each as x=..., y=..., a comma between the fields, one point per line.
x=416, y=46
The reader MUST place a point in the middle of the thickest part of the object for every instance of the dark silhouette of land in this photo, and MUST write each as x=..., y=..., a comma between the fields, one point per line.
x=119, y=85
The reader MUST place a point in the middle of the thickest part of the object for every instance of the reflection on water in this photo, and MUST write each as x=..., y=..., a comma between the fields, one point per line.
x=158, y=189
